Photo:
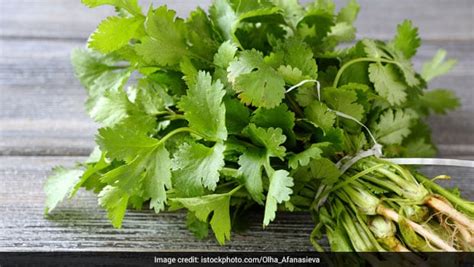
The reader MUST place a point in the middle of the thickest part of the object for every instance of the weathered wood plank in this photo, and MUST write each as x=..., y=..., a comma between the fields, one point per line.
x=81, y=225
x=42, y=109
x=437, y=19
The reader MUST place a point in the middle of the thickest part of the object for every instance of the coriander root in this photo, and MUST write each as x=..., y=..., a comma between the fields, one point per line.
x=450, y=211
x=433, y=238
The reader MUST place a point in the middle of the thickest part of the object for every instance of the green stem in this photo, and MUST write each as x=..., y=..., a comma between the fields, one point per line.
x=457, y=201
x=174, y=132
x=357, y=60
x=355, y=177
x=174, y=117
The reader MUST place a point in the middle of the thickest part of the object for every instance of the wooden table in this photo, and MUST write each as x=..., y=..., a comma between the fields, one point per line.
x=43, y=124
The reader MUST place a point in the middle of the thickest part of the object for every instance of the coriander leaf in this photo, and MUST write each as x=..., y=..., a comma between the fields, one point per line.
x=319, y=114
x=325, y=170
x=114, y=33
x=225, y=54
x=279, y=117
x=196, y=167
x=387, y=83
x=303, y=158
x=109, y=109
x=406, y=67
x=279, y=191
x=166, y=40
x=292, y=11
x=98, y=73
x=201, y=37
x=247, y=61
x=291, y=75
x=348, y=13
x=372, y=49
x=251, y=165
x=124, y=141
x=203, y=107
x=407, y=40
x=271, y=139
x=115, y=201
x=130, y=5
x=296, y=53
x=203, y=206
x=152, y=97
x=393, y=126
x=224, y=17
x=126, y=177
x=256, y=82
x=158, y=178
x=199, y=228
x=315, y=26
x=344, y=101
x=261, y=88
x=60, y=184
x=418, y=149
x=305, y=95
x=189, y=71
x=440, y=100
x=237, y=115
x=437, y=66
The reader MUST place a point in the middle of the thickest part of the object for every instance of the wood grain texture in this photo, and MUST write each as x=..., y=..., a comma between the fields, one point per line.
x=42, y=109
x=437, y=19
x=79, y=225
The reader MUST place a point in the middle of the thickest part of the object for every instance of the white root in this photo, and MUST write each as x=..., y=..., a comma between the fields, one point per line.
x=433, y=238
x=451, y=212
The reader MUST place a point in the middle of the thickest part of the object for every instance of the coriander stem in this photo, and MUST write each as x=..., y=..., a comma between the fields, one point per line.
x=176, y=131
x=458, y=202
x=175, y=117
x=357, y=60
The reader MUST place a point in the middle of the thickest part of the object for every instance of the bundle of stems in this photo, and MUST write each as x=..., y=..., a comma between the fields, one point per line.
x=381, y=206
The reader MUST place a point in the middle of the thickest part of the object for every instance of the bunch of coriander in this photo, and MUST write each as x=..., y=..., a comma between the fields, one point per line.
x=253, y=104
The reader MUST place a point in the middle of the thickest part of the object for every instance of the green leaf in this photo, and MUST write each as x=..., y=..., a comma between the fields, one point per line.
x=203, y=206
x=124, y=141
x=319, y=114
x=251, y=165
x=279, y=117
x=419, y=149
x=372, y=49
x=279, y=191
x=59, y=185
x=296, y=53
x=130, y=5
x=293, y=12
x=199, y=228
x=225, y=54
x=204, y=109
x=348, y=13
x=224, y=17
x=304, y=158
x=158, y=178
x=237, y=115
x=165, y=44
x=114, y=33
x=387, y=83
x=196, y=167
x=437, y=66
x=344, y=101
x=129, y=176
x=111, y=108
x=325, y=170
x=407, y=40
x=271, y=139
x=201, y=37
x=115, y=201
x=393, y=126
x=98, y=73
x=440, y=100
